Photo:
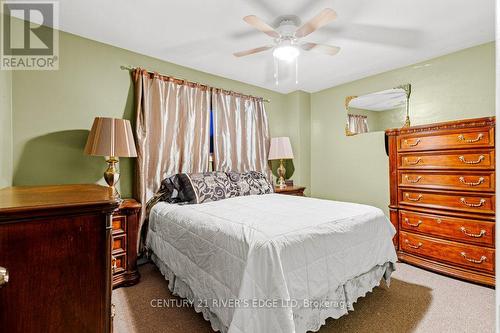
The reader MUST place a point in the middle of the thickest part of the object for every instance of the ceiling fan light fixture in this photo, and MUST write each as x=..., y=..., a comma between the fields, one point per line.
x=287, y=45
x=286, y=53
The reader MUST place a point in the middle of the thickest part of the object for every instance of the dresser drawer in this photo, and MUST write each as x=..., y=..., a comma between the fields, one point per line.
x=119, y=224
x=120, y=263
x=119, y=243
x=469, y=202
x=478, y=258
x=460, y=229
x=455, y=180
x=458, y=159
x=454, y=140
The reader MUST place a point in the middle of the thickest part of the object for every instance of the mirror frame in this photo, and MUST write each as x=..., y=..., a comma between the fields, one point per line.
x=407, y=89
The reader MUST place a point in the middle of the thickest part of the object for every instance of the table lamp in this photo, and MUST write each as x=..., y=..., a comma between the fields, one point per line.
x=111, y=138
x=280, y=149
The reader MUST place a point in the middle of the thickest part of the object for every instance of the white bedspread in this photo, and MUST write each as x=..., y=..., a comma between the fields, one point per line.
x=269, y=247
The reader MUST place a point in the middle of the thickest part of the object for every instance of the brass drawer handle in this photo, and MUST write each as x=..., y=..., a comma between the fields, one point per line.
x=461, y=137
x=412, y=144
x=4, y=276
x=420, y=196
x=411, y=224
x=479, y=160
x=419, y=245
x=480, y=261
x=479, y=235
x=113, y=264
x=418, y=160
x=479, y=181
x=413, y=181
x=468, y=204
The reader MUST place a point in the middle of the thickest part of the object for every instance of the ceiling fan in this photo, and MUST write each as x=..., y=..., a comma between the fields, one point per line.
x=287, y=35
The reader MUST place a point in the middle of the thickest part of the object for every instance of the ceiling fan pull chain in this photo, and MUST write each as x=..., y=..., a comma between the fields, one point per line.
x=297, y=70
x=276, y=71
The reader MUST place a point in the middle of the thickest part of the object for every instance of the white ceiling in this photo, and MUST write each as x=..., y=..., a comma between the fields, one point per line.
x=375, y=35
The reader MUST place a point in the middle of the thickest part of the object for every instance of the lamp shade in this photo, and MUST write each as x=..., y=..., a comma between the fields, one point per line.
x=280, y=149
x=111, y=137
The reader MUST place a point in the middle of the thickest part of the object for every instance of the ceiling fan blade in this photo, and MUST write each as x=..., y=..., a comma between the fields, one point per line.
x=326, y=49
x=252, y=51
x=257, y=23
x=378, y=34
x=324, y=17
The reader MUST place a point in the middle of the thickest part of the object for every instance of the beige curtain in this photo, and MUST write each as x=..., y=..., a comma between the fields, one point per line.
x=241, y=132
x=357, y=123
x=172, y=130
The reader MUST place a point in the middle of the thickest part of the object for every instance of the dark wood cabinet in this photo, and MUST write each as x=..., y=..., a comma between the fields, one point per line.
x=442, y=197
x=55, y=244
x=290, y=190
x=124, y=248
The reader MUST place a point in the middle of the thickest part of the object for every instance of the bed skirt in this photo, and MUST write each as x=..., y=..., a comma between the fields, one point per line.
x=306, y=318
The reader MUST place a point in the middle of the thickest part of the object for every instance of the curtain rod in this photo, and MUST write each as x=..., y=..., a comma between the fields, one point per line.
x=130, y=68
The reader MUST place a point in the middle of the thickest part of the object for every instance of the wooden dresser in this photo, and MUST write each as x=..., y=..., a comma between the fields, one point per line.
x=124, y=249
x=55, y=244
x=442, y=197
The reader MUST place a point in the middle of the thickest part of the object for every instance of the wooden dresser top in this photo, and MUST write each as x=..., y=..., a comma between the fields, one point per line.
x=30, y=198
x=449, y=125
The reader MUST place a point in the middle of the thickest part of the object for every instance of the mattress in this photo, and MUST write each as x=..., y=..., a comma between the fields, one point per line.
x=271, y=263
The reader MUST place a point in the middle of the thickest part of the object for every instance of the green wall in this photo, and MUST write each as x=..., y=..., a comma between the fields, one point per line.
x=6, y=167
x=53, y=111
x=297, y=126
x=456, y=86
x=5, y=129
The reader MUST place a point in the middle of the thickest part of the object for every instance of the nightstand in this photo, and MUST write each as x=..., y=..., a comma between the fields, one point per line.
x=124, y=248
x=290, y=190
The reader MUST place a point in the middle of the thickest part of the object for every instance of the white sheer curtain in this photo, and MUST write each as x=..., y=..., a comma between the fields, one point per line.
x=357, y=123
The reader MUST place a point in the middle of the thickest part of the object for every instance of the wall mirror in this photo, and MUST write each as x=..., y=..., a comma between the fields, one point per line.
x=378, y=111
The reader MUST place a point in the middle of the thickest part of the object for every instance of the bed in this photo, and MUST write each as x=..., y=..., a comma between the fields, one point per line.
x=271, y=262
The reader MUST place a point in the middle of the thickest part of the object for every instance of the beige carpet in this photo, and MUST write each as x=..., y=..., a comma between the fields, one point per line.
x=417, y=301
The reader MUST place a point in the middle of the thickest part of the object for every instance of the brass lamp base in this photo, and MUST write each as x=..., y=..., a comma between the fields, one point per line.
x=281, y=174
x=111, y=176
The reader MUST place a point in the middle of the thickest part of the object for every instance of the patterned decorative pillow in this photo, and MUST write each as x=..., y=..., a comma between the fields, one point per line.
x=186, y=191
x=251, y=182
x=169, y=190
x=211, y=186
